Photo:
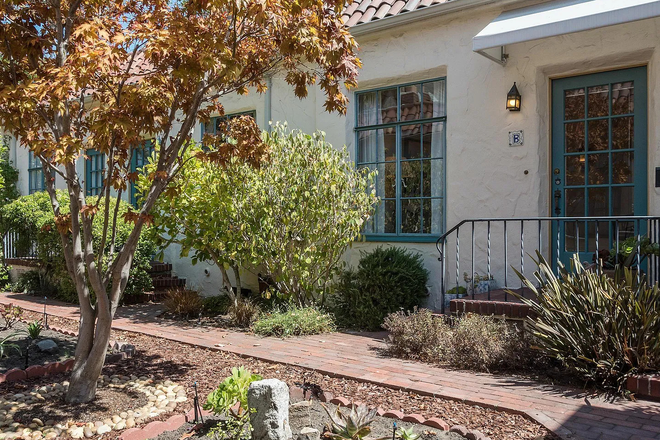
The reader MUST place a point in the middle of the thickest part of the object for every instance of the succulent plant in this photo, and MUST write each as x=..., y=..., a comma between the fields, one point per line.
x=408, y=434
x=351, y=426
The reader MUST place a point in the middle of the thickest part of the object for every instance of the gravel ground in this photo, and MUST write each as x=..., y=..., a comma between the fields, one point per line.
x=311, y=414
x=187, y=364
x=66, y=346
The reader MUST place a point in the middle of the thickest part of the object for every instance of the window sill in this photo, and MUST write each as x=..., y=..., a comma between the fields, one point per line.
x=384, y=238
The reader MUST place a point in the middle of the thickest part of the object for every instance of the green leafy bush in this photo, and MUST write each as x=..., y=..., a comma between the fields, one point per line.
x=294, y=321
x=11, y=313
x=386, y=280
x=216, y=305
x=34, y=329
x=230, y=391
x=183, y=302
x=5, y=281
x=605, y=329
x=474, y=342
x=32, y=218
x=293, y=217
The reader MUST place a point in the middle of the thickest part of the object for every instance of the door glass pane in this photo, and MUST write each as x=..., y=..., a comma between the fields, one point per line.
x=367, y=109
x=599, y=169
x=411, y=216
x=598, y=101
x=411, y=141
x=623, y=98
x=411, y=109
x=573, y=104
x=574, y=139
x=411, y=178
x=600, y=235
x=388, y=106
x=575, y=170
x=623, y=200
x=598, y=202
x=622, y=167
x=599, y=135
x=623, y=133
x=574, y=202
x=433, y=139
x=574, y=234
x=434, y=99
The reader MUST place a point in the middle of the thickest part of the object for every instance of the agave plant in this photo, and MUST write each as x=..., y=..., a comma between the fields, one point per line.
x=351, y=426
x=6, y=346
x=408, y=434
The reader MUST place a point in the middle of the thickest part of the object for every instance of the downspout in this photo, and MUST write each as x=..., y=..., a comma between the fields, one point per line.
x=268, y=104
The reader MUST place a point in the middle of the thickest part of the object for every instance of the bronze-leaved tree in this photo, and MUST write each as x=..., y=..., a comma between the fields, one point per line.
x=77, y=75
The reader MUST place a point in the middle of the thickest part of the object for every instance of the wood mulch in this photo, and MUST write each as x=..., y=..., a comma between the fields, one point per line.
x=188, y=365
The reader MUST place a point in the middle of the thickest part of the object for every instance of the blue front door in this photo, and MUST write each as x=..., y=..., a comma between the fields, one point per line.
x=599, y=150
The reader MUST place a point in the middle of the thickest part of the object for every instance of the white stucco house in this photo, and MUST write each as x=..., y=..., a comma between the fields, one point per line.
x=430, y=113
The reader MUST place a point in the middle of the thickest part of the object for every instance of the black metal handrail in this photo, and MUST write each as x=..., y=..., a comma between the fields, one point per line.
x=650, y=223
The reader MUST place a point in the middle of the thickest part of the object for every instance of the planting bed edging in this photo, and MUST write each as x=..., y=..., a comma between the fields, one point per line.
x=510, y=310
x=644, y=386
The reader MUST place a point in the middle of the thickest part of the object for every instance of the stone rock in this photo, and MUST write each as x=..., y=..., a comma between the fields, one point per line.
x=103, y=429
x=270, y=400
x=77, y=433
x=88, y=432
x=47, y=346
x=309, y=434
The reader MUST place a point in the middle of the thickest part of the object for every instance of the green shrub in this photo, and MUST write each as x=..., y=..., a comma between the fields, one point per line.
x=294, y=321
x=385, y=281
x=11, y=314
x=32, y=218
x=5, y=281
x=605, y=329
x=183, y=302
x=474, y=342
x=243, y=313
x=216, y=305
x=230, y=391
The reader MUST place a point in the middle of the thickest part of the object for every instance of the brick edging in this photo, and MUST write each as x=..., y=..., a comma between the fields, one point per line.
x=644, y=385
x=499, y=308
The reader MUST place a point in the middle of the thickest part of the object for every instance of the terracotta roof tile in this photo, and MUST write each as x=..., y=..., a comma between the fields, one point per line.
x=365, y=11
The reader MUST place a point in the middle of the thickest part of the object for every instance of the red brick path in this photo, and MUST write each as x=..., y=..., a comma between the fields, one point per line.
x=569, y=413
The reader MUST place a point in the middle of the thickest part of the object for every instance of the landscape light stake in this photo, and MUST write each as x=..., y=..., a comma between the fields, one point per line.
x=394, y=431
x=45, y=314
x=198, y=409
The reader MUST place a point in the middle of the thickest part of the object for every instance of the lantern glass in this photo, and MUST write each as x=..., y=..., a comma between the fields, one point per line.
x=513, y=99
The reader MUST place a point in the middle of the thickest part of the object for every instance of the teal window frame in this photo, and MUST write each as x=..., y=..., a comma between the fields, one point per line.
x=36, y=178
x=94, y=172
x=139, y=159
x=211, y=127
x=399, y=236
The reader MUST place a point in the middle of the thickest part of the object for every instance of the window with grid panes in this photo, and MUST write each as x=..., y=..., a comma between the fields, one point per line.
x=94, y=170
x=400, y=132
x=213, y=126
x=140, y=158
x=36, y=180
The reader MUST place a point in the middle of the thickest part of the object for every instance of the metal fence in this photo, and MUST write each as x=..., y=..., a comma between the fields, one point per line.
x=500, y=247
x=19, y=246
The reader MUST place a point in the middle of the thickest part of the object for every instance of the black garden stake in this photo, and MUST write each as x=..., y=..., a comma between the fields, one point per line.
x=394, y=431
x=198, y=409
x=45, y=315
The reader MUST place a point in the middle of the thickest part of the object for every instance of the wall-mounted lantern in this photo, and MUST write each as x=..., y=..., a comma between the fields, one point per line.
x=513, y=99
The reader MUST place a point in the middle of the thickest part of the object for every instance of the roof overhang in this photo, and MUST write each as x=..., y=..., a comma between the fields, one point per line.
x=558, y=18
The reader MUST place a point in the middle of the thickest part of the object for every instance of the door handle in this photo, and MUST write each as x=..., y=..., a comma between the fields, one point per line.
x=557, y=202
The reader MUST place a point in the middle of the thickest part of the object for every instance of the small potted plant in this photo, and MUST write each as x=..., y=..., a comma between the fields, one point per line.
x=479, y=283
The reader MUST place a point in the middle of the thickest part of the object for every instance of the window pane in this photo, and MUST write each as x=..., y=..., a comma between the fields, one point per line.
x=434, y=99
x=432, y=178
x=623, y=133
x=390, y=179
x=599, y=169
x=432, y=216
x=598, y=101
x=575, y=170
x=599, y=205
x=410, y=103
x=411, y=216
x=574, y=104
x=599, y=135
x=411, y=141
x=622, y=167
x=574, y=202
x=623, y=200
x=388, y=106
x=411, y=178
x=433, y=139
x=623, y=98
x=574, y=140
x=367, y=108
x=389, y=216
x=574, y=233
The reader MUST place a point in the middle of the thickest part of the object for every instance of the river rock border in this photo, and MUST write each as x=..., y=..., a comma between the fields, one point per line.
x=163, y=397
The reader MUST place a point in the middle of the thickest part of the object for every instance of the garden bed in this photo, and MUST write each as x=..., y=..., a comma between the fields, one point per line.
x=66, y=346
x=311, y=414
x=188, y=364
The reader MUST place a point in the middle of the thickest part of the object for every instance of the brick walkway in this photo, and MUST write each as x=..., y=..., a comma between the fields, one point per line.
x=569, y=413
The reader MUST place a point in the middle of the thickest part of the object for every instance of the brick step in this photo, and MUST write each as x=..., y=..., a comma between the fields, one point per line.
x=158, y=267
x=166, y=282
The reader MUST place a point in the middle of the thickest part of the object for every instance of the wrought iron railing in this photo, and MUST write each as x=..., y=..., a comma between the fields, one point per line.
x=16, y=246
x=498, y=247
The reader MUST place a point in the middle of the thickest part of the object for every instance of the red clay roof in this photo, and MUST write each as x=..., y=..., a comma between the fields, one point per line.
x=365, y=11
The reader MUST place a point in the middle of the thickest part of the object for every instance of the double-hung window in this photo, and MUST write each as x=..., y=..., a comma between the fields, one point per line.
x=400, y=131
x=140, y=159
x=36, y=181
x=94, y=171
x=213, y=126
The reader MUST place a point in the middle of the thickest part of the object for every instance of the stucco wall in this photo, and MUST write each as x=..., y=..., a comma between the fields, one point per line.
x=485, y=177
